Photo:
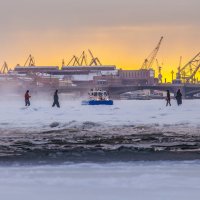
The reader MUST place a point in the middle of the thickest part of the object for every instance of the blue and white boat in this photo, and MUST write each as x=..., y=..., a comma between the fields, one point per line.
x=98, y=97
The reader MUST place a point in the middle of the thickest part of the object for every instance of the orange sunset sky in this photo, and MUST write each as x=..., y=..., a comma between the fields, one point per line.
x=119, y=32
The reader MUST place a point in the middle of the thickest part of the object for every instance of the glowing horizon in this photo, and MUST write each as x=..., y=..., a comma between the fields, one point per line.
x=118, y=33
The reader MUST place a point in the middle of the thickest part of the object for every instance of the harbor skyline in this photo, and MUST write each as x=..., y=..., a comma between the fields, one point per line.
x=119, y=33
x=100, y=99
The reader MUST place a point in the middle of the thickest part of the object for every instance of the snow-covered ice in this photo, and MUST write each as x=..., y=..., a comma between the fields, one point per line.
x=128, y=126
x=117, y=181
x=40, y=114
x=105, y=181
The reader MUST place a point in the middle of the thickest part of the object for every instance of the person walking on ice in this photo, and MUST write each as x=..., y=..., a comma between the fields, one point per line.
x=56, y=100
x=179, y=97
x=27, y=98
x=168, y=98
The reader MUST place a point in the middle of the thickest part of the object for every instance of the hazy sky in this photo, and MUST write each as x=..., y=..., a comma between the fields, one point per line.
x=121, y=32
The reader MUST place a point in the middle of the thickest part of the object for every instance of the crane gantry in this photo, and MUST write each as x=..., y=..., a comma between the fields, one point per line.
x=4, y=68
x=30, y=61
x=188, y=72
x=74, y=61
x=83, y=60
x=148, y=62
x=95, y=60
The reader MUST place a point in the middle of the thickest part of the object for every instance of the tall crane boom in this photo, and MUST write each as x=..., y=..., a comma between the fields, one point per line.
x=196, y=58
x=4, y=68
x=188, y=72
x=74, y=61
x=94, y=60
x=83, y=59
x=148, y=63
x=30, y=61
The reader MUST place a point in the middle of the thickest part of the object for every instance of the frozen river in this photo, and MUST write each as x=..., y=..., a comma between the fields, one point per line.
x=127, y=151
x=114, y=181
x=127, y=131
x=40, y=114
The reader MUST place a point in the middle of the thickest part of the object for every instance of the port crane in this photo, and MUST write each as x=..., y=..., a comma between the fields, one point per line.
x=74, y=61
x=95, y=60
x=30, y=61
x=148, y=63
x=178, y=74
x=4, y=68
x=188, y=72
x=159, y=71
x=83, y=59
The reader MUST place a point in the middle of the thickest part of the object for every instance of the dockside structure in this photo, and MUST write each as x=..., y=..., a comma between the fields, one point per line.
x=105, y=75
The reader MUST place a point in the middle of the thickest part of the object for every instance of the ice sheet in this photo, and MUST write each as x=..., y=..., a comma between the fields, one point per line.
x=117, y=181
x=15, y=115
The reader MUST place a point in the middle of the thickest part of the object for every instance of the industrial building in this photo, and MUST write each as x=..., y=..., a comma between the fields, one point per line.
x=105, y=75
x=87, y=74
x=135, y=77
x=36, y=69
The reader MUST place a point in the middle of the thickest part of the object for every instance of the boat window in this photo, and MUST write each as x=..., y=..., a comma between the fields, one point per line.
x=99, y=93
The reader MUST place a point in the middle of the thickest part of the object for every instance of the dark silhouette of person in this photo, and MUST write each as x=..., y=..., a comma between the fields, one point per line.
x=168, y=98
x=56, y=100
x=179, y=97
x=27, y=98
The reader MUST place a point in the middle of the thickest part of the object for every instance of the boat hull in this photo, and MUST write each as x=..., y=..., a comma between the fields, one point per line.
x=95, y=102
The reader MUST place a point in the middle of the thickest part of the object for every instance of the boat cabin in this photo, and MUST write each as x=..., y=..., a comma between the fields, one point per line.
x=98, y=95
